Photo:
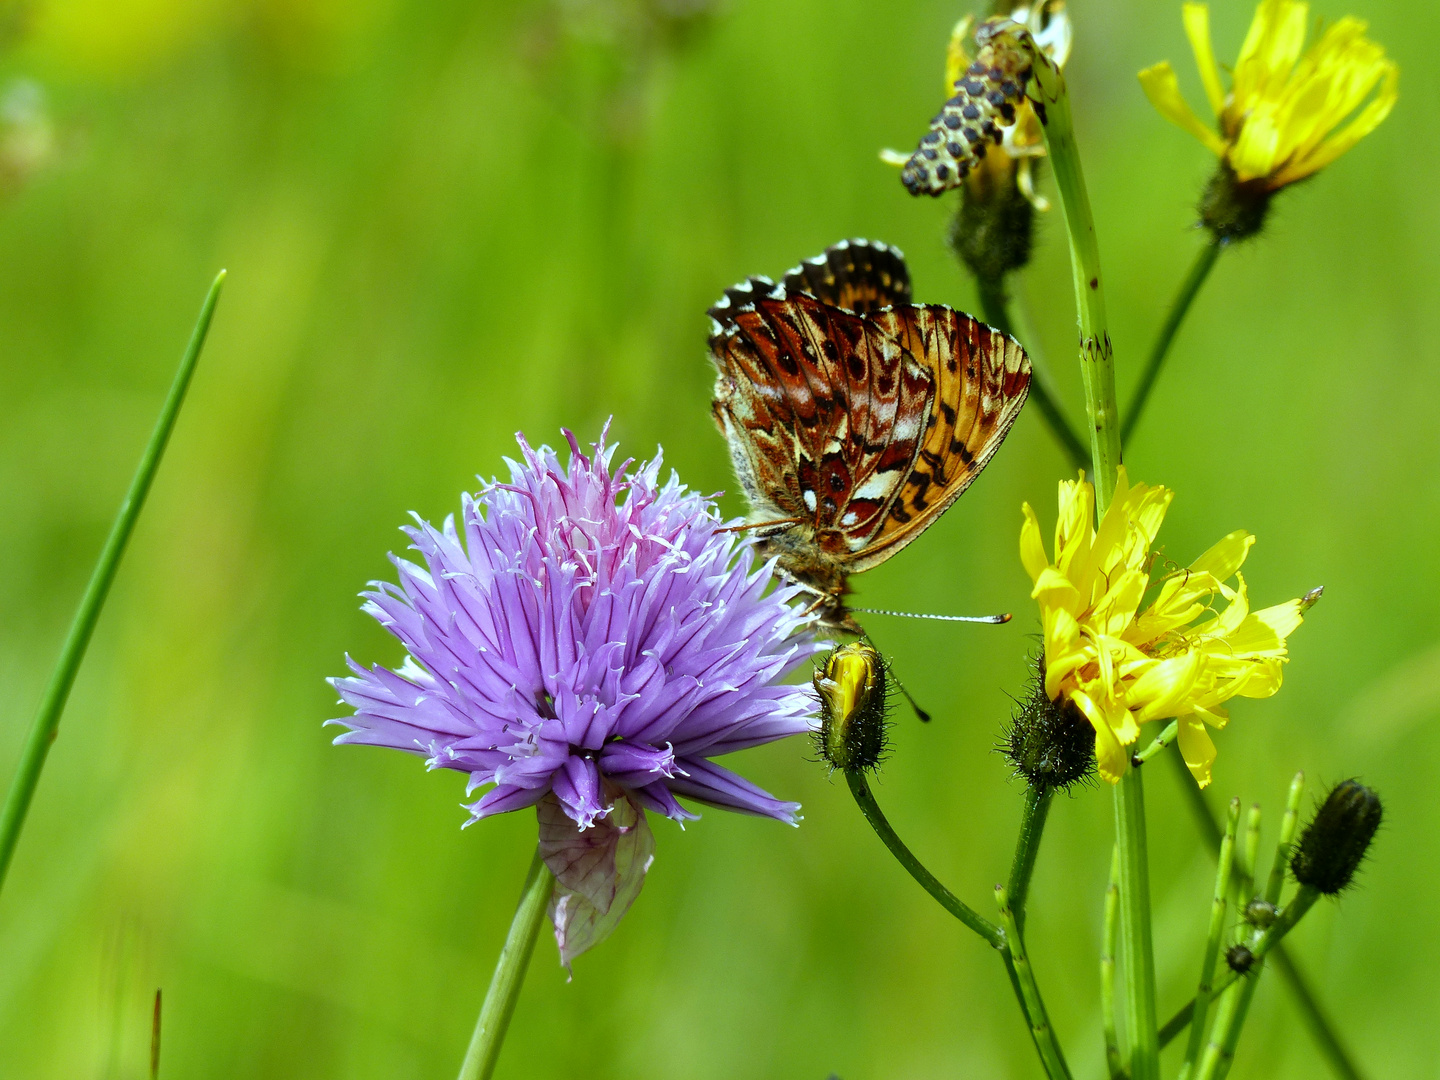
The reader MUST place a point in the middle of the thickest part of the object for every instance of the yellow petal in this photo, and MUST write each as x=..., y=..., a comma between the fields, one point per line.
x=1196, y=748
x=1054, y=590
x=1163, y=90
x=1110, y=757
x=1197, y=29
x=956, y=58
x=1273, y=44
x=1226, y=556
x=1032, y=548
x=1368, y=120
x=1063, y=649
x=1164, y=689
x=1115, y=611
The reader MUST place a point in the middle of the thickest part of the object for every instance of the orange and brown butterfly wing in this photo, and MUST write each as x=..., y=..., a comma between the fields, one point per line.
x=824, y=413
x=982, y=377
x=859, y=275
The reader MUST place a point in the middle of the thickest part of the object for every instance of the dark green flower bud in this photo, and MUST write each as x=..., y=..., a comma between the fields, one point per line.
x=1240, y=958
x=854, y=707
x=1334, y=844
x=1050, y=743
x=1260, y=912
x=993, y=228
x=1234, y=209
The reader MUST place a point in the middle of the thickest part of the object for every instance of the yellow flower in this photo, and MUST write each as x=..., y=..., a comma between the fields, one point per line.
x=1124, y=665
x=1278, y=124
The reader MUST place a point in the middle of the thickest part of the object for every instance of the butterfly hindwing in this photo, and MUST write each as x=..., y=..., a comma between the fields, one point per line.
x=859, y=275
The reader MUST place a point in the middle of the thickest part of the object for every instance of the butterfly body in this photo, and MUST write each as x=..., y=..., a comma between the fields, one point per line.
x=853, y=417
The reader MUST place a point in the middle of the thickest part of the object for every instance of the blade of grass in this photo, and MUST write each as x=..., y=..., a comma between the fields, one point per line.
x=52, y=705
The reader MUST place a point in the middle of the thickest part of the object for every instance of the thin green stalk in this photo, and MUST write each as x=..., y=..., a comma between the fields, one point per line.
x=1322, y=1029
x=992, y=934
x=1109, y=940
x=1097, y=366
x=1027, y=846
x=903, y=855
x=1097, y=361
x=1199, y=271
x=484, y=1049
x=1051, y=1055
x=1201, y=1004
x=1288, y=824
x=1160, y=742
x=1266, y=944
x=52, y=705
x=994, y=305
x=1230, y=1003
x=1141, y=1022
x=1230, y=1036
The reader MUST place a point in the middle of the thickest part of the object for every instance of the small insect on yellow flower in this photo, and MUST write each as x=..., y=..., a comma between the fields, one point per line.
x=1278, y=123
x=1123, y=665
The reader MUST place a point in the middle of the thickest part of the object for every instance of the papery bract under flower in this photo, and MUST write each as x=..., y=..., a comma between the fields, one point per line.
x=589, y=638
x=1124, y=665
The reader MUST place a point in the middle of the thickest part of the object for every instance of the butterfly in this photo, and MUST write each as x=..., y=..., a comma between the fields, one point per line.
x=854, y=417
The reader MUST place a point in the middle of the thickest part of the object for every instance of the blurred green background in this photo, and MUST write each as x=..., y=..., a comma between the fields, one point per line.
x=445, y=222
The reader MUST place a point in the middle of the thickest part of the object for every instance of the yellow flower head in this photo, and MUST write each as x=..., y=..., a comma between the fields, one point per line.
x=1123, y=664
x=1278, y=124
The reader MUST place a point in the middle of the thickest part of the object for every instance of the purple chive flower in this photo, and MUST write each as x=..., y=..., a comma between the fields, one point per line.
x=586, y=640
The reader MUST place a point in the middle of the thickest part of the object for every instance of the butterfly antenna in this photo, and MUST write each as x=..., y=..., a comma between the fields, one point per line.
x=759, y=525
x=920, y=713
x=990, y=620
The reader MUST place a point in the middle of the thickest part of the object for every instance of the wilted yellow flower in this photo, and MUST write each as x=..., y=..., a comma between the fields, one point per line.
x=1278, y=124
x=1023, y=138
x=1123, y=665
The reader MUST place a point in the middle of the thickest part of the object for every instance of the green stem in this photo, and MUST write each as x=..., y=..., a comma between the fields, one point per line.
x=903, y=855
x=52, y=705
x=1199, y=271
x=1267, y=943
x=1051, y=1055
x=1160, y=742
x=1201, y=1004
x=1140, y=1015
x=1322, y=1028
x=994, y=305
x=509, y=974
x=1097, y=365
x=1224, y=1051
x=1027, y=846
x=1108, y=942
x=1097, y=361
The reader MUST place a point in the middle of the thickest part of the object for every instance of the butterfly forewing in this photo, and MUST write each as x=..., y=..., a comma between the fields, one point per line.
x=983, y=377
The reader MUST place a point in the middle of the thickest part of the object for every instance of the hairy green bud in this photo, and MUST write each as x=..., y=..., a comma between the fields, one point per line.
x=1335, y=842
x=854, y=708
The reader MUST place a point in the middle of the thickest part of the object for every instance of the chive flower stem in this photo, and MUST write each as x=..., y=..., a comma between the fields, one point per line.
x=499, y=1006
x=52, y=706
